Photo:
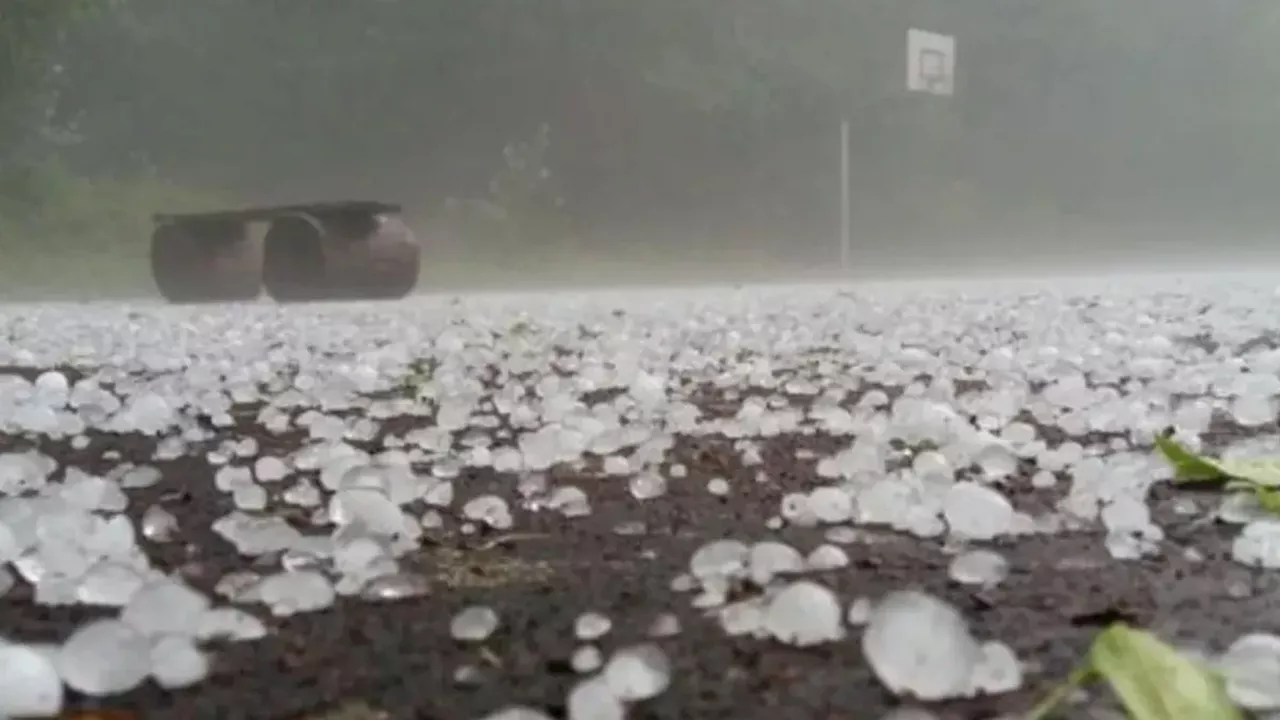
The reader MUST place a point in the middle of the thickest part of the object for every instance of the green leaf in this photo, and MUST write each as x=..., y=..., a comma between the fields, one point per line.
x=1269, y=499
x=1264, y=472
x=1155, y=682
x=1261, y=476
x=1187, y=466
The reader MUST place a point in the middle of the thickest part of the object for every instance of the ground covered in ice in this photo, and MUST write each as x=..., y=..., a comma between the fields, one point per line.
x=905, y=501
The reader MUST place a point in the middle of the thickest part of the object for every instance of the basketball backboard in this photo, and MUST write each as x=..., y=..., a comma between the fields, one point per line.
x=931, y=62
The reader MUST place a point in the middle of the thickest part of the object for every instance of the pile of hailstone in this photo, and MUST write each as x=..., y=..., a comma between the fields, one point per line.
x=631, y=674
x=71, y=541
x=917, y=644
x=1109, y=367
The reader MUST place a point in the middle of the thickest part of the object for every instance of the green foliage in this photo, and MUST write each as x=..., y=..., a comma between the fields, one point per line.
x=31, y=32
x=1259, y=476
x=1066, y=112
x=82, y=238
x=1152, y=680
x=524, y=190
x=27, y=29
x=524, y=216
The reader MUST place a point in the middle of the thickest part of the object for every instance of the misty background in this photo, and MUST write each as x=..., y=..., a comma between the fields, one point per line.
x=564, y=141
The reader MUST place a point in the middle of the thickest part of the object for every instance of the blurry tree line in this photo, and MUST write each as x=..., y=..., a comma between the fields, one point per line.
x=666, y=117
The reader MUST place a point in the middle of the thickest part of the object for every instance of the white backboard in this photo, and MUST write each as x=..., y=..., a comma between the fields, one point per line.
x=931, y=62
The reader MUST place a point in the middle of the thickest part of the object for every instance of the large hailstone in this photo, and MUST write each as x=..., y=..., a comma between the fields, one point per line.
x=917, y=644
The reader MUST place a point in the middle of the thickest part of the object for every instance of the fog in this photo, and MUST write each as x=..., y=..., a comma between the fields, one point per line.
x=568, y=142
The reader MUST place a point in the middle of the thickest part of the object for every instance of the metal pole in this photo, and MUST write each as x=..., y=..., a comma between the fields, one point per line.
x=845, y=244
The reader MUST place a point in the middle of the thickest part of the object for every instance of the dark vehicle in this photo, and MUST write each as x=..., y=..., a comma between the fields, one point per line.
x=344, y=250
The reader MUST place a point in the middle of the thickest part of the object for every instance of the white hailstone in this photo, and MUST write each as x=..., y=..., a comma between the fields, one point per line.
x=593, y=699
x=159, y=525
x=978, y=567
x=586, y=658
x=803, y=614
x=769, y=558
x=270, y=469
x=647, y=486
x=719, y=558
x=830, y=505
x=228, y=623
x=637, y=672
x=1250, y=667
x=165, y=606
x=490, y=510
x=296, y=591
x=104, y=657
x=977, y=512
x=919, y=645
x=176, y=662
x=1258, y=544
x=998, y=671
x=827, y=557
x=591, y=626
x=859, y=612
x=797, y=509
x=29, y=682
x=474, y=624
